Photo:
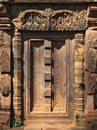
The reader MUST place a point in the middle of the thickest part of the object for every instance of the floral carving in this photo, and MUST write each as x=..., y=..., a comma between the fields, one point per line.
x=50, y=19
x=35, y=22
x=48, y=12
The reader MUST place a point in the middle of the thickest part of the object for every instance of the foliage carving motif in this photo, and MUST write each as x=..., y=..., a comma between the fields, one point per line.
x=50, y=19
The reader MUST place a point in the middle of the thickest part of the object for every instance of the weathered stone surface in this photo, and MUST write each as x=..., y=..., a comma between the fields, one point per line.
x=78, y=92
x=91, y=120
x=92, y=19
x=78, y=65
x=92, y=60
x=5, y=51
x=78, y=79
x=90, y=49
x=90, y=102
x=4, y=118
x=79, y=49
x=5, y=85
x=90, y=82
x=5, y=22
x=55, y=1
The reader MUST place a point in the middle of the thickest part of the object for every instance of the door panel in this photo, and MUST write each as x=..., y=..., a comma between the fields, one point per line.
x=59, y=75
x=37, y=75
x=47, y=76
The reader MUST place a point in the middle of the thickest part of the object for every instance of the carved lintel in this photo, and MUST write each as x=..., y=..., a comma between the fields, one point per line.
x=50, y=19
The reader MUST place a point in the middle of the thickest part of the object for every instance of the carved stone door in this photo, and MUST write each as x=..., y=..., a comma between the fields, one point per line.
x=48, y=75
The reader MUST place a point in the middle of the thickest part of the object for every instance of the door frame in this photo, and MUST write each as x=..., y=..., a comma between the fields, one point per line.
x=69, y=62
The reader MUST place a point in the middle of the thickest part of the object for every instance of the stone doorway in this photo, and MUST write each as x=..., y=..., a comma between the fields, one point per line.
x=48, y=67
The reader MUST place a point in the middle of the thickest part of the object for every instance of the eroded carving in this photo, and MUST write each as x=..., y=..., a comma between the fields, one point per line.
x=4, y=52
x=92, y=60
x=50, y=19
x=4, y=16
x=4, y=61
x=2, y=8
x=90, y=82
x=5, y=85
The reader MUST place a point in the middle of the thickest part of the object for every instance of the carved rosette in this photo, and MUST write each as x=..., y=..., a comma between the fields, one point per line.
x=50, y=19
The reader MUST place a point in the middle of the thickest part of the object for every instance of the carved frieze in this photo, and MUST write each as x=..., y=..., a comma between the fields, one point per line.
x=90, y=82
x=50, y=19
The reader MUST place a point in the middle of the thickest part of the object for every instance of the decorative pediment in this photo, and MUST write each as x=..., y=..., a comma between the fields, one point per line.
x=50, y=19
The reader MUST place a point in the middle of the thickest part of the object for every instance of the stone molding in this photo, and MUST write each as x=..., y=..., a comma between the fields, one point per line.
x=50, y=19
x=53, y=1
x=5, y=22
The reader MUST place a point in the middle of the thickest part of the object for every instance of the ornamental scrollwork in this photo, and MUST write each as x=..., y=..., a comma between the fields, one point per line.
x=50, y=19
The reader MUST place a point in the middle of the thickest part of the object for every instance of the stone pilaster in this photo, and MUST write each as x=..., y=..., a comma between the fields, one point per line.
x=17, y=74
x=79, y=79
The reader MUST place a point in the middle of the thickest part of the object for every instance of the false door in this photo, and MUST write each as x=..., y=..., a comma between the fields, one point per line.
x=48, y=67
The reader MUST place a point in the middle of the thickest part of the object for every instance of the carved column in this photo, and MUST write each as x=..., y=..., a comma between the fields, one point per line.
x=79, y=79
x=17, y=74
